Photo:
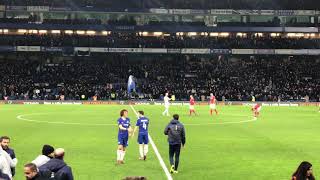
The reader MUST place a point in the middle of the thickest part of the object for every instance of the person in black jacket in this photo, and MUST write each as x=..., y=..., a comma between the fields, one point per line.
x=3, y=176
x=176, y=137
x=57, y=167
x=31, y=173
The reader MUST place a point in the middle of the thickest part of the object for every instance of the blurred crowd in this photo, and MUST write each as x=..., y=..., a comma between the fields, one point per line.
x=105, y=78
x=132, y=40
x=182, y=4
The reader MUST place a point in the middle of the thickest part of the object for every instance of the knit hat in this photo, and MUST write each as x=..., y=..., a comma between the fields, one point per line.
x=47, y=149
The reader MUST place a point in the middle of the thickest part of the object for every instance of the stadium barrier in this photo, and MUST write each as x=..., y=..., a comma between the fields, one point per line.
x=175, y=103
x=88, y=50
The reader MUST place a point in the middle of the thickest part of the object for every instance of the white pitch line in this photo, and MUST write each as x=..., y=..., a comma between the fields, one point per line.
x=163, y=165
x=22, y=118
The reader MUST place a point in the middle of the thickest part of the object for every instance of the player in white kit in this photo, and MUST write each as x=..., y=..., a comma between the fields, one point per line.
x=166, y=100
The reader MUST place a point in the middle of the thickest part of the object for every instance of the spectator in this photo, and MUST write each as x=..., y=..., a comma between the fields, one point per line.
x=6, y=163
x=5, y=141
x=57, y=166
x=176, y=137
x=47, y=154
x=31, y=173
x=304, y=172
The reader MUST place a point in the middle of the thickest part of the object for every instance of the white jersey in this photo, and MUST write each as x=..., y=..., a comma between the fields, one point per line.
x=166, y=101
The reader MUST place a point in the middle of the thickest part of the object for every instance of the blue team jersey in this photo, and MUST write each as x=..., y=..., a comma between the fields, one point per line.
x=126, y=124
x=143, y=124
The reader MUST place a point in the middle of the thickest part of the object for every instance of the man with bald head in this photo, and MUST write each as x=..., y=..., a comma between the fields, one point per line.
x=58, y=168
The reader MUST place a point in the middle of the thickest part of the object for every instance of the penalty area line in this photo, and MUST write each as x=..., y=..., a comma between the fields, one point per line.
x=155, y=149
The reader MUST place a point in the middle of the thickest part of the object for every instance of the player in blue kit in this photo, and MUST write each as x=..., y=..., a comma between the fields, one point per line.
x=143, y=139
x=123, y=135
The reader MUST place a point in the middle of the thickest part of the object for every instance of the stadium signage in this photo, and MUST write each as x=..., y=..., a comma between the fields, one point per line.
x=30, y=103
x=220, y=51
x=62, y=103
x=100, y=102
x=195, y=51
x=38, y=8
x=221, y=11
x=20, y=8
x=51, y=49
x=154, y=50
x=159, y=11
x=29, y=48
x=180, y=11
x=102, y=50
x=173, y=51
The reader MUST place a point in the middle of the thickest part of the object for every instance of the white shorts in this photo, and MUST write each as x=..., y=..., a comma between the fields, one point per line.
x=191, y=107
x=166, y=106
x=212, y=106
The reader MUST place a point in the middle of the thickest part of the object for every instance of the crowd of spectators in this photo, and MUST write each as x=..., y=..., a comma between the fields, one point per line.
x=105, y=77
x=131, y=40
x=192, y=4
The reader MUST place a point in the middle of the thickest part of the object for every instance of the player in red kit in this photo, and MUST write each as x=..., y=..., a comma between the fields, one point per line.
x=213, y=104
x=191, y=106
x=256, y=110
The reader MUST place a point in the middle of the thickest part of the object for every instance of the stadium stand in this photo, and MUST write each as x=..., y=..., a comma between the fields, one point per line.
x=268, y=78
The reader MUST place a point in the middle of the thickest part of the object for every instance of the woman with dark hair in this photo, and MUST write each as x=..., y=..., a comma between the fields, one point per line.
x=304, y=172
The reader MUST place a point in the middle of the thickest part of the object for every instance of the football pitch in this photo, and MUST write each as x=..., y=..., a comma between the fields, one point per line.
x=230, y=146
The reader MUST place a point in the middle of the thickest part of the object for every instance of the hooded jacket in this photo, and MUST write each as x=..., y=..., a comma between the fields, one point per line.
x=60, y=169
x=176, y=132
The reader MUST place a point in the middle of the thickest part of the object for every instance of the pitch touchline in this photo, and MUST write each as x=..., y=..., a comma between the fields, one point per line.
x=163, y=165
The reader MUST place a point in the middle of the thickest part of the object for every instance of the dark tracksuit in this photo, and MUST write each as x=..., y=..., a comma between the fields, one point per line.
x=176, y=136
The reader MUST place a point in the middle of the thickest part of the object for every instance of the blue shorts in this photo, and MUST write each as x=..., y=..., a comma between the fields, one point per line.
x=123, y=140
x=143, y=139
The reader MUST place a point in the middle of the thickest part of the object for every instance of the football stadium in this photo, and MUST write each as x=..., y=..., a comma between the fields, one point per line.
x=159, y=90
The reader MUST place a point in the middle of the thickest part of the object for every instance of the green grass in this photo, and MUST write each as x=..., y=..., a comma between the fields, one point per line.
x=269, y=148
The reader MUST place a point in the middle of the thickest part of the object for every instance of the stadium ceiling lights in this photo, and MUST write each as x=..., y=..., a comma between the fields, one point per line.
x=91, y=32
x=192, y=34
x=106, y=33
x=68, y=31
x=204, y=34
x=32, y=31
x=22, y=31
x=295, y=35
x=158, y=33
x=179, y=34
x=55, y=31
x=143, y=33
x=241, y=34
x=224, y=34
x=258, y=34
x=43, y=31
x=214, y=34
x=80, y=32
x=275, y=34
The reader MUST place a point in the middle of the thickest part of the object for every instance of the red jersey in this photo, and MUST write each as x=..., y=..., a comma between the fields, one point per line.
x=192, y=102
x=257, y=106
x=212, y=100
